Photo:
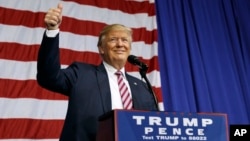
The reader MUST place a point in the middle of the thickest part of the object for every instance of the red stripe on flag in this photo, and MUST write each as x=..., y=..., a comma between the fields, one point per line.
x=20, y=52
x=15, y=51
x=25, y=18
x=127, y=6
x=30, y=89
x=158, y=94
x=30, y=19
x=27, y=89
x=94, y=28
x=30, y=128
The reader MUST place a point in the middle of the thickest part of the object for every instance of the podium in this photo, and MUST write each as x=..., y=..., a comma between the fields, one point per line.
x=133, y=125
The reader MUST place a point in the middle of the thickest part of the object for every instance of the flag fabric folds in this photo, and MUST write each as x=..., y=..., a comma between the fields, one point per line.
x=29, y=112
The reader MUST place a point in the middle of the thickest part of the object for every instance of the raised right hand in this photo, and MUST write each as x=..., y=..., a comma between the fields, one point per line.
x=53, y=17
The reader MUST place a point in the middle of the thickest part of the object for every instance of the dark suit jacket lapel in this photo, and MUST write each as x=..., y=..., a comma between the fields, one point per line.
x=103, y=85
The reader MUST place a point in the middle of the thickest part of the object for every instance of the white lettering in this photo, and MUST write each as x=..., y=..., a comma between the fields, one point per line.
x=239, y=132
x=191, y=122
x=139, y=119
x=200, y=132
x=168, y=121
x=243, y=131
x=163, y=131
x=154, y=120
x=148, y=130
x=176, y=131
x=189, y=131
x=206, y=122
x=172, y=121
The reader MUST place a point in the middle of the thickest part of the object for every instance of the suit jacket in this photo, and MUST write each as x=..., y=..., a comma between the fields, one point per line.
x=88, y=90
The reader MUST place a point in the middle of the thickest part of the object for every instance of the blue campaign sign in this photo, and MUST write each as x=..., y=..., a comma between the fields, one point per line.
x=170, y=126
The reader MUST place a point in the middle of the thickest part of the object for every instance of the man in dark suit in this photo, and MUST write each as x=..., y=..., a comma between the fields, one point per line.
x=92, y=90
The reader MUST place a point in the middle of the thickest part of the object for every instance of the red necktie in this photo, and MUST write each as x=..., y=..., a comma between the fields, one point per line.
x=125, y=95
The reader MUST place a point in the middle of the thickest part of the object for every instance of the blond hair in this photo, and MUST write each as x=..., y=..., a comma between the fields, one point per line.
x=111, y=27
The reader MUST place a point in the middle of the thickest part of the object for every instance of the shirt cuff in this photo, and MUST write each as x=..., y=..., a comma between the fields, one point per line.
x=52, y=33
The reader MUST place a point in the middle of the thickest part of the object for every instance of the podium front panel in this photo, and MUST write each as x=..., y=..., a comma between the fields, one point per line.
x=168, y=126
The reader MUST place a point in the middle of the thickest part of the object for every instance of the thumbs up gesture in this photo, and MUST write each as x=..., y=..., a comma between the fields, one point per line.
x=53, y=17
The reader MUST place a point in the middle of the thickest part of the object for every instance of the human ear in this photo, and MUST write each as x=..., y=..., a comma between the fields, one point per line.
x=101, y=51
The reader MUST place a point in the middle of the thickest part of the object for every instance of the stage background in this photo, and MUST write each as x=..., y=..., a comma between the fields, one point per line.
x=204, y=55
x=26, y=110
x=198, y=52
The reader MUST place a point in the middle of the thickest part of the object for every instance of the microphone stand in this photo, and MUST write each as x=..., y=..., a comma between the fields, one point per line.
x=143, y=70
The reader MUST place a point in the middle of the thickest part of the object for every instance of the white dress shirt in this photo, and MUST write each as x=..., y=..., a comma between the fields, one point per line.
x=115, y=92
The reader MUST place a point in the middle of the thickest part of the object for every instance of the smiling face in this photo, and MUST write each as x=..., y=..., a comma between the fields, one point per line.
x=115, y=46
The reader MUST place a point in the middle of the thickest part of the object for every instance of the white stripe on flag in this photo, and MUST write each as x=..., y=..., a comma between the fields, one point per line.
x=41, y=109
x=74, y=10
x=19, y=70
x=33, y=108
x=33, y=36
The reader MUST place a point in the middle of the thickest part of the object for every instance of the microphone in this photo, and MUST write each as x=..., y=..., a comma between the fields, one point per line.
x=143, y=69
x=135, y=61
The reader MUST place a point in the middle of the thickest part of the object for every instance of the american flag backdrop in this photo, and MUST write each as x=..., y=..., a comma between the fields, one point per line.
x=29, y=112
